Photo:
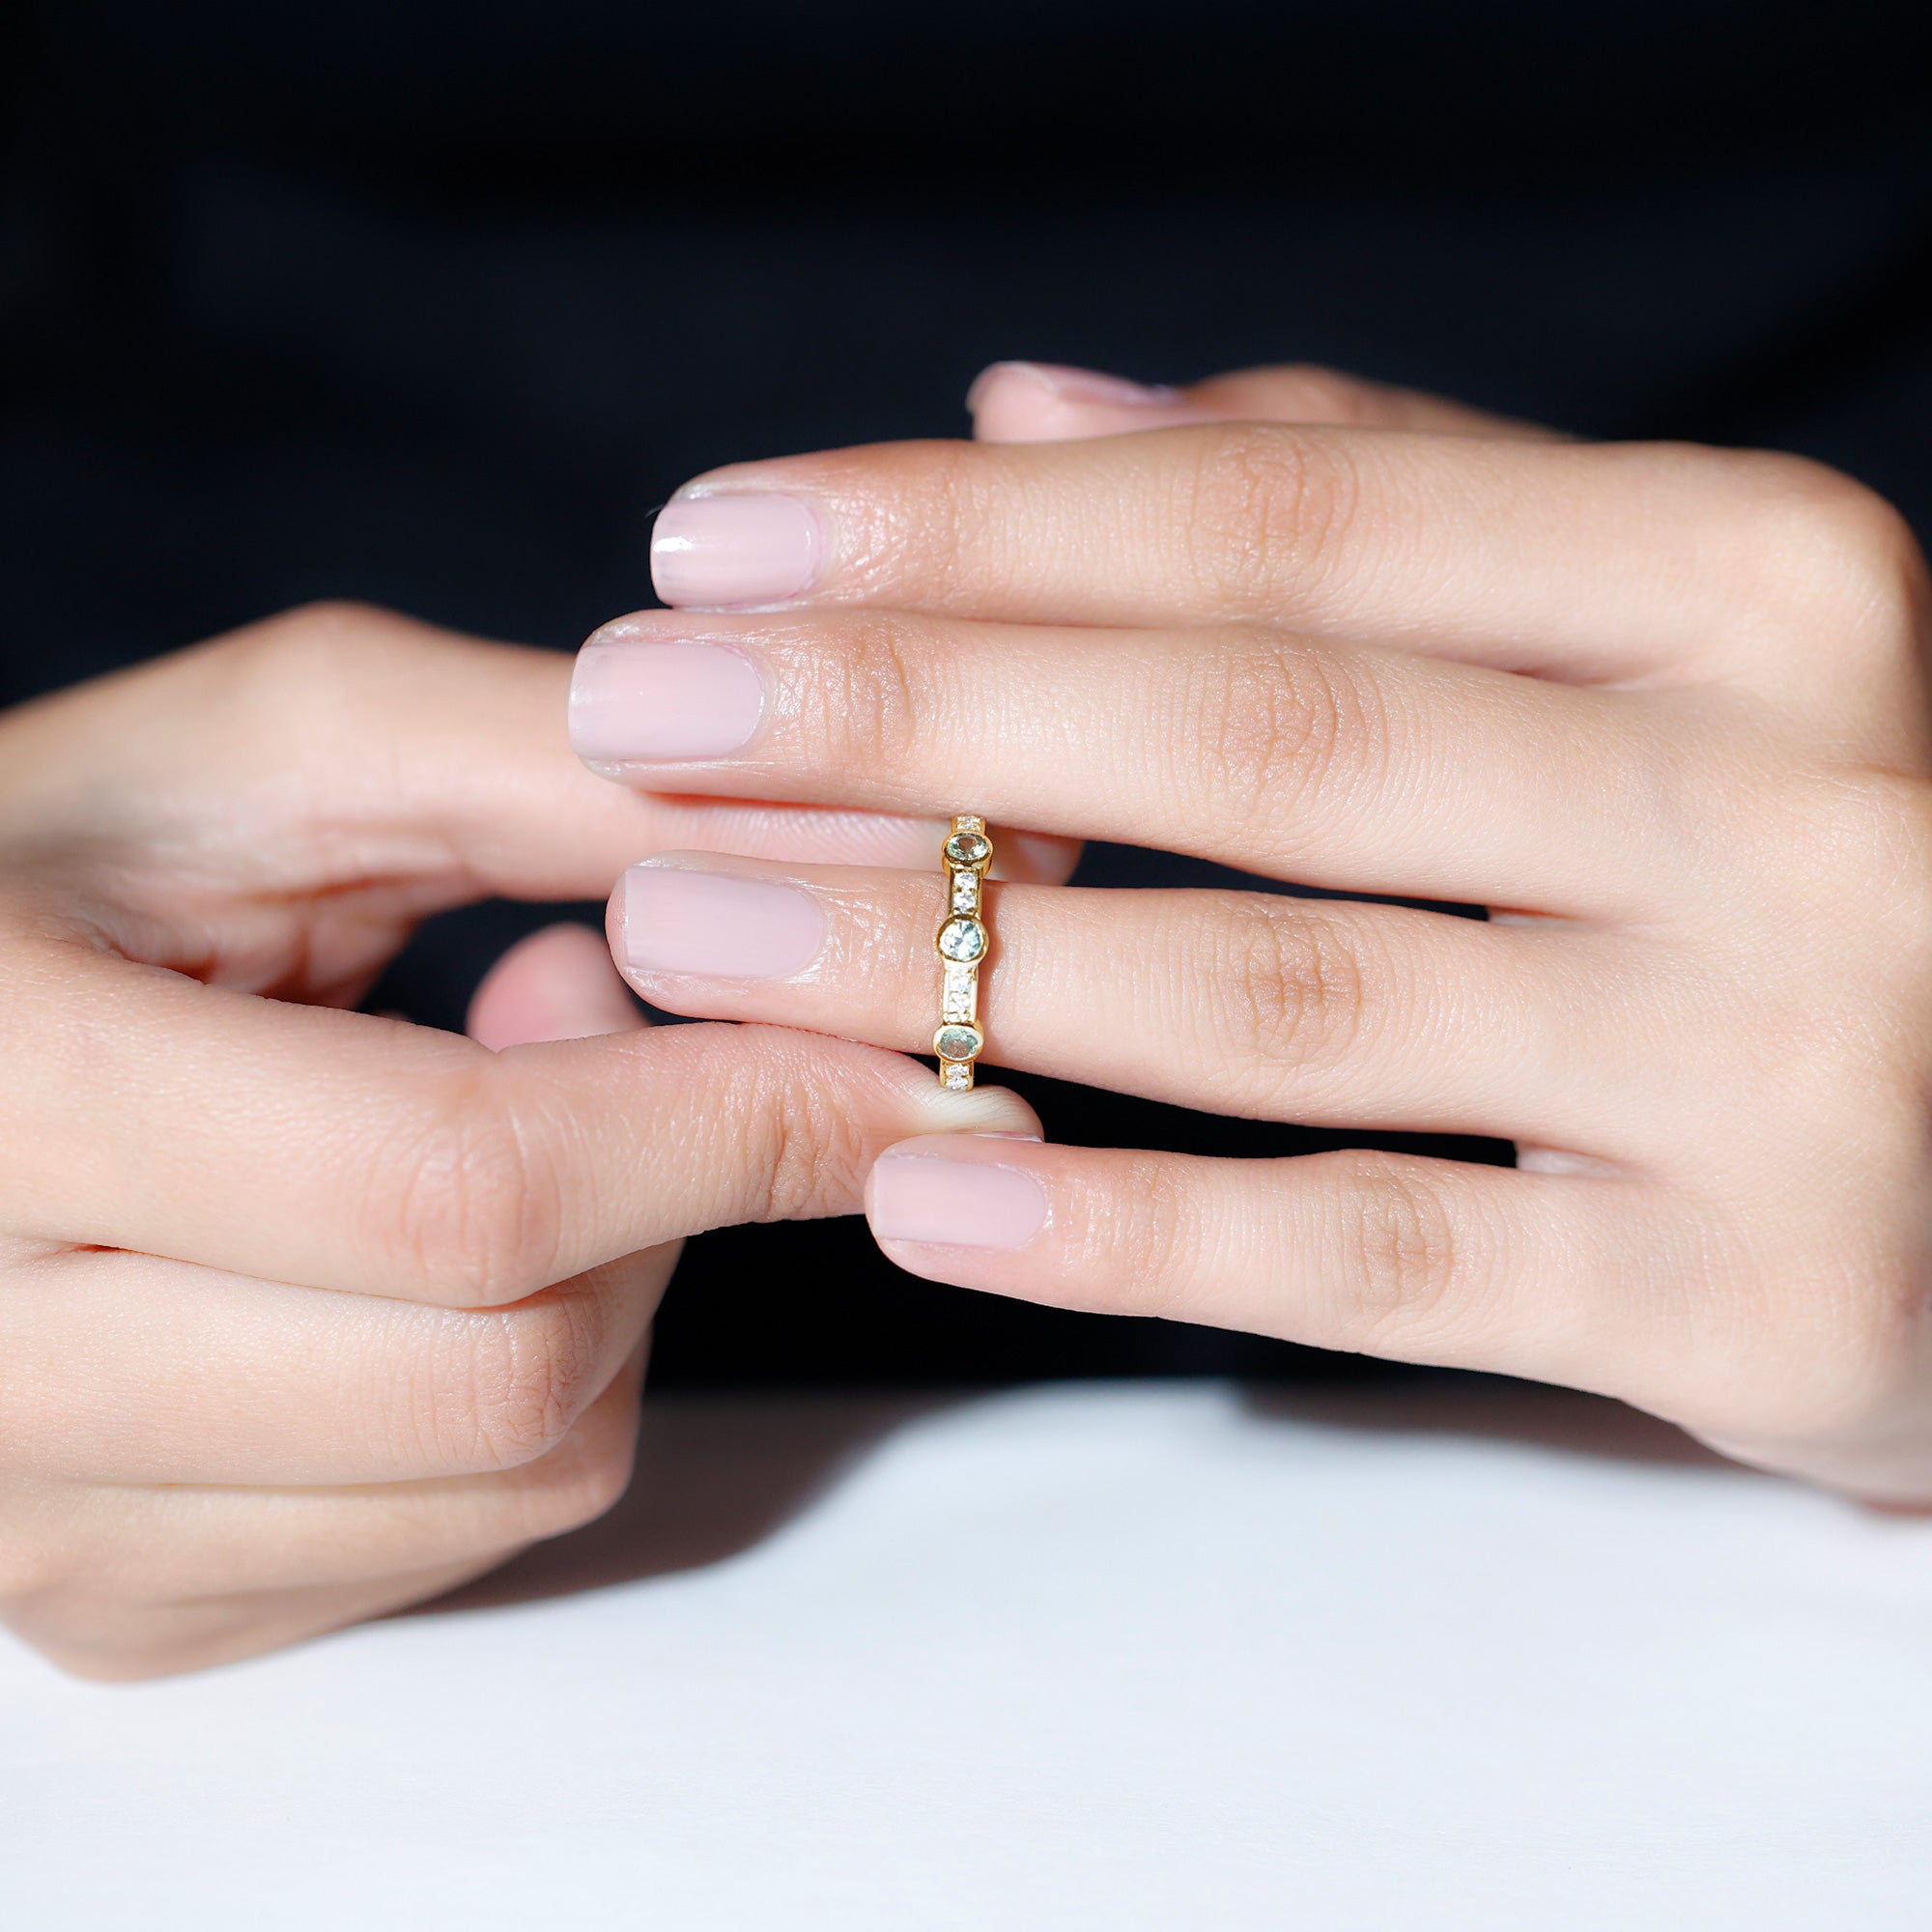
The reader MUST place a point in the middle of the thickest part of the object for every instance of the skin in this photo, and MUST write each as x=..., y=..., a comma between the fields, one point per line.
x=307, y=1314
x=1661, y=708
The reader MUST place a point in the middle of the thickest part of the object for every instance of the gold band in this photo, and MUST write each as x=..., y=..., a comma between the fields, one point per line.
x=963, y=943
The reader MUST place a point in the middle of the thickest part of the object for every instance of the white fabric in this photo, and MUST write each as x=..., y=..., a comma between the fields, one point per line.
x=1109, y=1656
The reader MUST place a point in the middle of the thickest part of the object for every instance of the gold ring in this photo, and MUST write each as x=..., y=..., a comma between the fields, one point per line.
x=963, y=943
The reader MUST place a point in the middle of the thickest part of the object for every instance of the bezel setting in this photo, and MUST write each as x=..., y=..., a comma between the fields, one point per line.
x=962, y=939
x=969, y=848
x=957, y=1041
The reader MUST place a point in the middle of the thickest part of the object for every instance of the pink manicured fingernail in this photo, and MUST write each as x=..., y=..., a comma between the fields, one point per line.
x=961, y=1204
x=717, y=925
x=1037, y=402
x=635, y=701
x=1073, y=386
x=735, y=548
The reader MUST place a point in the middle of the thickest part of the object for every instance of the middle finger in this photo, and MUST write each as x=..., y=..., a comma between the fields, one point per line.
x=1354, y=767
x=129, y=1368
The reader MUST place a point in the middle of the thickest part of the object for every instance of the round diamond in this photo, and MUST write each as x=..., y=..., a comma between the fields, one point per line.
x=957, y=1042
x=962, y=939
x=969, y=848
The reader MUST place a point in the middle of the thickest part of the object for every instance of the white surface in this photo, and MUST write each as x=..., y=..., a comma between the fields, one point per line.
x=1108, y=1657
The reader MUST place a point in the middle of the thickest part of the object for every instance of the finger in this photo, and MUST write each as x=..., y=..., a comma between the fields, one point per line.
x=1621, y=563
x=110, y=1642
x=336, y=1150
x=366, y=748
x=1038, y=401
x=123, y=1370
x=141, y=1583
x=620, y=703
x=1238, y=1002
x=1361, y=769
x=1426, y=1260
x=556, y=985
x=151, y=1548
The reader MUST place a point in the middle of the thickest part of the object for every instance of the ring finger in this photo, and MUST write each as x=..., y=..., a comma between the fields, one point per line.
x=1325, y=1012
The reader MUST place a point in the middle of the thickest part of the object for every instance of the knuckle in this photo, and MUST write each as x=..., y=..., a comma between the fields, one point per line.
x=1840, y=557
x=468, y=1208
x=1293, y=985
x=803, y=1140
x=300, y=681
x=967, y=538
x=584, y=1478
x=779, y=1126
x=858, y=691
x=1285, y=728
x=931, y=511
x=1845, y=520
x=1410, y=1251
x=508, y=1386
x=313, y=648
x=1266, y=505
x=1147, y=1213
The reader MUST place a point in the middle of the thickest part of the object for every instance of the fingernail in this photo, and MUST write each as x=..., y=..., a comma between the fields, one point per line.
x=735, y=548
x=1073, y=386
x=960, y=1204
x=717, y=925
x=635, y=701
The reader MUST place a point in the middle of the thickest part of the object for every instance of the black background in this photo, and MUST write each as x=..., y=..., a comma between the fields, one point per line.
x=430, y=304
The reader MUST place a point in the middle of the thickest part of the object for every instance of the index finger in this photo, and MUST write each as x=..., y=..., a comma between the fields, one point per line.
x=1621, y=562
x=146, y=1111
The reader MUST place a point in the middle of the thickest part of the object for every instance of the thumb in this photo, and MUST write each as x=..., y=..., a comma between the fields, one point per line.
x=558, y=983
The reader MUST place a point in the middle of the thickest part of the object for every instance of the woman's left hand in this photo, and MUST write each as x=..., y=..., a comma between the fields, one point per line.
x=1663, y=708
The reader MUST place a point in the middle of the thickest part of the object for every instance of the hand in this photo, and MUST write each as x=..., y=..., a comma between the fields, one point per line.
x=304, y=1314
x=1663, y=708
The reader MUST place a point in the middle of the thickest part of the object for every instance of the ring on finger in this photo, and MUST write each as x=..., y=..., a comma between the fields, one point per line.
x=963, y=943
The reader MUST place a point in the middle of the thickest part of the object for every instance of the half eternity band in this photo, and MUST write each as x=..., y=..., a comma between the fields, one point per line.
x=963, y=943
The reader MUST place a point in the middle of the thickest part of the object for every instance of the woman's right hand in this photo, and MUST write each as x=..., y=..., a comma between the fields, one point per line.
x=304, y=1314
